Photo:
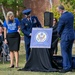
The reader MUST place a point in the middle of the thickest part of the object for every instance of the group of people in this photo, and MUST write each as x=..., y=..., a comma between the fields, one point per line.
x=11, y=32
x=63, y=29
x=12, y=37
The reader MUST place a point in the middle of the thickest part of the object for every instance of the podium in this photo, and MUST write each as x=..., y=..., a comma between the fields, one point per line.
x=41, y=38
x=40, y=60
x=42, y=53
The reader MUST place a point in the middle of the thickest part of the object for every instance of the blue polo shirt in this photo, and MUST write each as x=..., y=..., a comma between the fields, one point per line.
x=12, y=26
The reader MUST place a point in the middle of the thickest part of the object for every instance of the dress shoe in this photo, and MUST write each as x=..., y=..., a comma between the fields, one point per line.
x=12, y=66
x=21, y=69
x=64, y=71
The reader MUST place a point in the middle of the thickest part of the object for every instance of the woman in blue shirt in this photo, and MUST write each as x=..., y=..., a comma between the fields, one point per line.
x=12, y=37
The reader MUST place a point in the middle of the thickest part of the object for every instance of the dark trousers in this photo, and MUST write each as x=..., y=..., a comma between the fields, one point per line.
x=66, y=51
x=27, y=47
x=56, y=48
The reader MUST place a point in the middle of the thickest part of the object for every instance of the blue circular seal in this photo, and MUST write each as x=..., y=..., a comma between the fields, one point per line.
x=41, y=37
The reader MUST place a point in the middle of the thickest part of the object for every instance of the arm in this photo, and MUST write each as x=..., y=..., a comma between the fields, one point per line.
x=61, y=25
x=55, y=29
x=38, y=23
x=5, y=32
x=18, y=29
x=18, y=23
x=23, y=29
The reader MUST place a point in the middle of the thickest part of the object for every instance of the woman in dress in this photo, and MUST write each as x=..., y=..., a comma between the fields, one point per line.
x=12, y=37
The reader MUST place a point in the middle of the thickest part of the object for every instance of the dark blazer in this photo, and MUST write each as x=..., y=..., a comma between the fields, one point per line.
x=55, y=29
x=26, y=27
x=54, y=35
x=74, y=34
x=65, y=26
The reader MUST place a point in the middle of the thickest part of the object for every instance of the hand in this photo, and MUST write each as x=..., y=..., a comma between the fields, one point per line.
x=5, y=41
x=30, y=34
x=18, y=31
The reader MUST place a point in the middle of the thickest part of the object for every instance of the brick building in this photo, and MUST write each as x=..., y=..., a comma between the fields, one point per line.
x=39, y=7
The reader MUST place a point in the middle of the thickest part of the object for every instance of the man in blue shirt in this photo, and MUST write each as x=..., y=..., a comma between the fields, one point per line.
x=66, y=33
x=27, y=23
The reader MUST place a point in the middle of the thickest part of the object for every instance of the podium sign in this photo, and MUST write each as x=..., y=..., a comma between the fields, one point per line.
x=41, y=38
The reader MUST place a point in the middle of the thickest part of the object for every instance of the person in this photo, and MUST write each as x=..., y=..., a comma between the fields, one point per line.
x=1, y=40
x=3, y=47
x=40, y=59
x=12, y=37
x=66, y=32
x=55, y=36
x=1, y=22
x=27, y=23
x=74, y=34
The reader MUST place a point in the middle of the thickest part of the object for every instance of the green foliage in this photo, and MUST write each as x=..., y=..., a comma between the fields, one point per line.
x=1, y=16
x=71, y=2
x=21, y=33
x=67, y=7
x=56, y=14
x=14, y=5
x=70, y=6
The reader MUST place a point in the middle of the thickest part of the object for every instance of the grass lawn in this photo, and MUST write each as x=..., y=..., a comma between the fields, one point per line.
x=5, y=70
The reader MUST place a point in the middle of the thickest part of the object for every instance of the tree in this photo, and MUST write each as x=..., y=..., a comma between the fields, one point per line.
x=70, y=6
x=71, y=2
x=14, y=5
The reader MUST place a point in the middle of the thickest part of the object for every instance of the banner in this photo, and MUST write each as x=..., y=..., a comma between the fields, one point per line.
x=41, y=38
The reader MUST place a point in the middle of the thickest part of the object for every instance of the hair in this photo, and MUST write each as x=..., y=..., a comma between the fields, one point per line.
x=56, y=20
x=61, y=7
x=8, y=14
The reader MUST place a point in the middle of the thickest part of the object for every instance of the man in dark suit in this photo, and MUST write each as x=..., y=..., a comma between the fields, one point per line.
x=27, y=23
x=74, y=34
x=66, y=33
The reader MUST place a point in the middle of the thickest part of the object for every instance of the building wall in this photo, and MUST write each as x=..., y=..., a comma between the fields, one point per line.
x=39, y=7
